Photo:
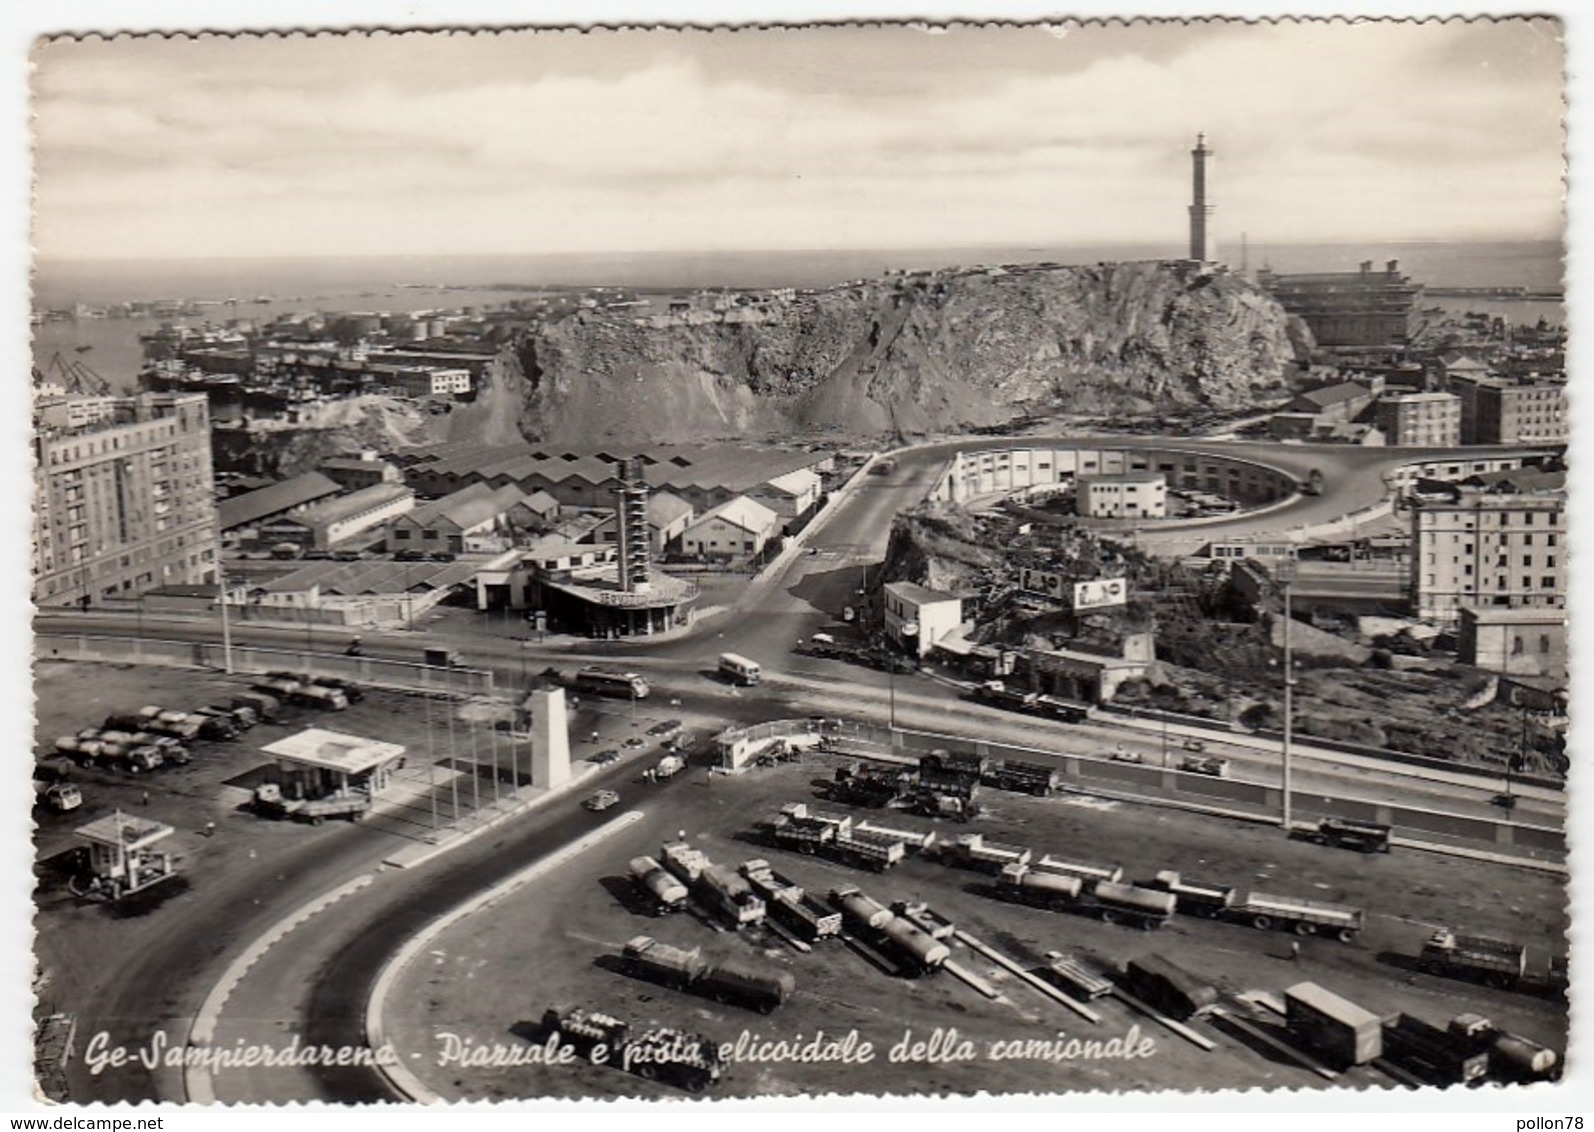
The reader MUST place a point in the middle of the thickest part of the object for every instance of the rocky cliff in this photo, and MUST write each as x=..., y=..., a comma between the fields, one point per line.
x=915, y=354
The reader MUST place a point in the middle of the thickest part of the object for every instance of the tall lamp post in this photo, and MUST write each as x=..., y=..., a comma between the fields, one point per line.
x=908, y=632
x=1285, y=574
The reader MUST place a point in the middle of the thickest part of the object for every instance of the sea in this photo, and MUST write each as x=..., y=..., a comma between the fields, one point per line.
x=264, y=288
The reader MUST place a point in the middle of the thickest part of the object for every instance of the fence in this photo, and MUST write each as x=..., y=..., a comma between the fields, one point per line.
x=251, y=659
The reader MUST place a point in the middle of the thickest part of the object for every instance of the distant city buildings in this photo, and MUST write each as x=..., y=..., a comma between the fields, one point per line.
x=123, y=497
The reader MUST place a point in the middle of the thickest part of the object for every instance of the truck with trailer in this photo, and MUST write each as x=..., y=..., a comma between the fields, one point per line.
x=853, y=786
x=674, y=967
x=173, y=753
x=676, y=1057
x=96, y=748
x=1024, y=778
x=270, y=802
x=1432, y=1053
x=856, y=908
x=973, y=851
x=1196, y=897
x=1494, y=962
x=1364, y=836
x=664, y=893
x=681, y=968
x=179, y=725
x=1169, y=988
x=932, y=803
x=802, y=810
x=1341, y=1033
x=1304, y=917
x=728, y=895
x=1092, y=873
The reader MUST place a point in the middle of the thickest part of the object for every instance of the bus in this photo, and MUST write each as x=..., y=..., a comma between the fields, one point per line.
x=738, y=669
x=611, y=682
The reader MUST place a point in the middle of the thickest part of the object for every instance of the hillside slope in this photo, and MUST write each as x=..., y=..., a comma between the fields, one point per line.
x=916, y=354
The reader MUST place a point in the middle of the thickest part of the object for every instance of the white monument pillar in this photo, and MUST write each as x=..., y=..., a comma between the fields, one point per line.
x=550, y=738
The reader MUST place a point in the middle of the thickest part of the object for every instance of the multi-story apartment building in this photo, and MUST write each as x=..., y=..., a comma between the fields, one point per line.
x=1488, y=549
x=1499, y=411
x=1421, y=420
x=123, y=504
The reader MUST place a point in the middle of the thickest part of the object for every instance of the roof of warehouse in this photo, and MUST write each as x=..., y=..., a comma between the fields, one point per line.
x=256, y=505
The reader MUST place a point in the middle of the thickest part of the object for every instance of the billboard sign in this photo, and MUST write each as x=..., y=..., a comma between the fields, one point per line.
x=1101, y=593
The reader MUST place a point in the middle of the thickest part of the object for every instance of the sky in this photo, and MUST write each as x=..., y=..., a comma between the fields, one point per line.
x=872, y=137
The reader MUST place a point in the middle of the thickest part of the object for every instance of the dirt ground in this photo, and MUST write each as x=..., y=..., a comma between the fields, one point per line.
x=553, y=943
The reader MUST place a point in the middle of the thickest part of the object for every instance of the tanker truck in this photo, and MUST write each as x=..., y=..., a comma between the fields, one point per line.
x=1053, y=891
x=1128, y=904
x=664, y=892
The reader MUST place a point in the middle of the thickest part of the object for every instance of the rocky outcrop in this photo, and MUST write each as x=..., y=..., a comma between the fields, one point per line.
x=915, y=354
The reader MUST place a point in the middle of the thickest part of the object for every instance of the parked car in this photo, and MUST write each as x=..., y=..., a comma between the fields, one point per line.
x=1215, y=768
x=602, y=800
x=409, y=556
x=442, y=556
x=1125, y=756
x=604, y=758
x=665, y=730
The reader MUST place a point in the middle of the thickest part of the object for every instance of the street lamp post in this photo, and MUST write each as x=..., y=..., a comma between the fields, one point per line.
x=909, y=631
x=226, y=628
x=1286, y=577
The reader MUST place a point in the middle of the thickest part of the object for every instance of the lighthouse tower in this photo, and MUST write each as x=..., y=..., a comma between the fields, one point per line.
x=1203, y=248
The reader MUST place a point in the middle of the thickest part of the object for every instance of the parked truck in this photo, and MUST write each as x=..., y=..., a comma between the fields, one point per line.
x=1341, y=1033
x=972, y=851
x=1512, y=1057
x=856, y=908
x=965, y=764
x=676, y=1057
x=726, y=981
x=685, y=862
x=270, y=802
x=1495, y=962
x=664, y=892
x=674, y=967
x=1364, y=836
x=790, y=903
x=178, y=725
x=803, y=834
x=1169, y=988
x=264, y=704
x=867, y=851
x=56, y=796
x=1304, y=917
x=913, y=839
x=1024, y=778
x=1432, y=1053
x=729, y=896
x=998, y=694
x=1196, y=897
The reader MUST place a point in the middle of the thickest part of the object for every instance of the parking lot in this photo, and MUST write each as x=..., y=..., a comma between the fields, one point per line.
x=570, y=958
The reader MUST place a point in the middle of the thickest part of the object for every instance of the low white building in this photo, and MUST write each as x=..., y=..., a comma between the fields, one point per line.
x=916, y=617
x=737, y=528
x=790, y=496
x=1126, y=495
x=342, y=517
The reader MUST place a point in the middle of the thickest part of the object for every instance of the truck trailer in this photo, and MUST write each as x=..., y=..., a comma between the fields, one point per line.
x=1024, y=778
x=1340, y=1032
x=1128, y=904
x=1304, y=917
x=1165, y=986
x=1112, y=874
x=972, y=851
x=1196, y=897
x=676, y=1057
x=1432, y=1053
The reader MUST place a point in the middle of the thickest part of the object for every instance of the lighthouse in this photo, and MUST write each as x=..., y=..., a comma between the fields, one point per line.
x=1202, y=247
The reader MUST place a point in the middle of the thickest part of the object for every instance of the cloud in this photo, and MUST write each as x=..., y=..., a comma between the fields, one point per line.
x=1373, y=131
